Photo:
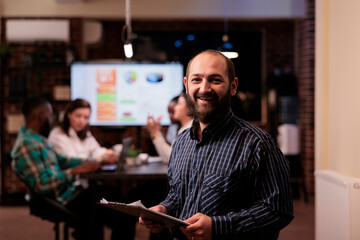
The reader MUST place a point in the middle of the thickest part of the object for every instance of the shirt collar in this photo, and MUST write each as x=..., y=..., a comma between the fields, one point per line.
x=211, y=130
x=73, y=133
x=31, y=133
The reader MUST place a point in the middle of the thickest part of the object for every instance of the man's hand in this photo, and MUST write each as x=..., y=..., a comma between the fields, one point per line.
x=200, y=228
x=110, y=157
x=154, y=226
x=87, y=167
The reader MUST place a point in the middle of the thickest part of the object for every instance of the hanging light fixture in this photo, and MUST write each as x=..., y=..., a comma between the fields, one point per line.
x=226, y=47
x=127, y=32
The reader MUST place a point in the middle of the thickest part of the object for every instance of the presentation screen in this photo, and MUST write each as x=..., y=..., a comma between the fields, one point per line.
x=123, y=94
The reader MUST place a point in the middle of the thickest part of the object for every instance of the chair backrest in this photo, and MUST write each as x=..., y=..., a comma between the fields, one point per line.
x=49, y=209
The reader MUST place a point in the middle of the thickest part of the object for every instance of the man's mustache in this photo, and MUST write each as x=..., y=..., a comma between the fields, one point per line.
x=207, y=94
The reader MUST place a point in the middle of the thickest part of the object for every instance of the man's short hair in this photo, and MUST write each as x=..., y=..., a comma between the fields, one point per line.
x=30, y=105
x=229, y=64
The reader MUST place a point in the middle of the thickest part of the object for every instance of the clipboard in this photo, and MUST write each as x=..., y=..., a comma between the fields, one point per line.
x=139, y=210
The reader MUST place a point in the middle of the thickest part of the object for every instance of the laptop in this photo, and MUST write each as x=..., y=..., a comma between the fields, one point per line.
x=126, y=143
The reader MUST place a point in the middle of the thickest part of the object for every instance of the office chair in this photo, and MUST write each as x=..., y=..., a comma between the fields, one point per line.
x=49, y=209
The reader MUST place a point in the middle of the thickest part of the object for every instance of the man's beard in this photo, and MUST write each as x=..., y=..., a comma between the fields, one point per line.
x=215, y=110
x=46, y=128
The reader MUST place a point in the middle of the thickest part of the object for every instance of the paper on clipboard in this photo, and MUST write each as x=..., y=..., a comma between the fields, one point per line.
x=138, y=209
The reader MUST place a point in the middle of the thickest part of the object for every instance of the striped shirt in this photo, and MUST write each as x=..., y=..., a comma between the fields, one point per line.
x=42, y=169
x=236, y=175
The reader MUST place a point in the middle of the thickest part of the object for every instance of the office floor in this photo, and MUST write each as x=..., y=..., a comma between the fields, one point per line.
x=16, y=223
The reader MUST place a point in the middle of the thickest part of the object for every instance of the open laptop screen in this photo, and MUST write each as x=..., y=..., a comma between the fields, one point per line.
x=122, y=157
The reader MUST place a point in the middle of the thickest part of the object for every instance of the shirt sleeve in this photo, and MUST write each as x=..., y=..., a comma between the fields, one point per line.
x=162, y=147
x=96, y=150
x=172, y=200
x=272, y=207
x=38, y=166
x=66, y=161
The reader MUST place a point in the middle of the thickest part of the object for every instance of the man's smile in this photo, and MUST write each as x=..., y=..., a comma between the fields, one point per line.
x=206, y=98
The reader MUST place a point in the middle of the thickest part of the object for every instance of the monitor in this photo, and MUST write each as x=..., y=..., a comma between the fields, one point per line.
x=124, y=93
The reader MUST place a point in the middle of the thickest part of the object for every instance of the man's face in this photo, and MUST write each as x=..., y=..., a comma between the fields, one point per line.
x=208, y=87
x=48, y=120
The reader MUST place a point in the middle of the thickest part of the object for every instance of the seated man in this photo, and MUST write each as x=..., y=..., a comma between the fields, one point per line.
x=51, y=174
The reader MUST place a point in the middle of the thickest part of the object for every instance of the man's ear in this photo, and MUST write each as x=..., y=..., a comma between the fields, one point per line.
x=185, y=84
x=234, y=86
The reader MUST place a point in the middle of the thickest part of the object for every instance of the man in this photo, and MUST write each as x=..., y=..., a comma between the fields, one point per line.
x=227, y=178
x=50, y=173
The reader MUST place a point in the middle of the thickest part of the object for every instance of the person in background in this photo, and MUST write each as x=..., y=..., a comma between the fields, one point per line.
x=173, y=128
x=162, y=147
x=181, y=113
x=52, y=174
x=73, y=136
x=228, y=179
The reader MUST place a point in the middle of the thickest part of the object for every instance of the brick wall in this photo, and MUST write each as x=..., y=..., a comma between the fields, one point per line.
x=306, y=92
x=39, y=66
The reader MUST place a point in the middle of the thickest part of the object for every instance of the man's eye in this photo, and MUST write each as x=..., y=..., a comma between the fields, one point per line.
x=216, y=80
x=196, y=80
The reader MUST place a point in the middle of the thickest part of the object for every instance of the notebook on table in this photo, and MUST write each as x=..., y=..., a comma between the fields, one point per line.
x=126, y=142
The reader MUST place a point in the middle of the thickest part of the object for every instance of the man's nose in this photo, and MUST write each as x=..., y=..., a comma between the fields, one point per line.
x=205, y=86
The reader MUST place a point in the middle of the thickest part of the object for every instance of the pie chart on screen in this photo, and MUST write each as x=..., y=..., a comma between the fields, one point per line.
x=130, y=77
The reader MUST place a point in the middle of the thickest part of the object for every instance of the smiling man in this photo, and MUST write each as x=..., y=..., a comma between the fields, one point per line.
x=227, y=178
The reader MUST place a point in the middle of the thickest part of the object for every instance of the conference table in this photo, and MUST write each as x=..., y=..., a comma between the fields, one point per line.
x=144, y=172
x=154, y=170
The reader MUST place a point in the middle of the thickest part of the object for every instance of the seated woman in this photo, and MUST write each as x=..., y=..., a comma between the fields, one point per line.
x=73, y=136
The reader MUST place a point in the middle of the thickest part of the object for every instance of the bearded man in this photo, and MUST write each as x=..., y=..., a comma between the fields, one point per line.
x=228, y=179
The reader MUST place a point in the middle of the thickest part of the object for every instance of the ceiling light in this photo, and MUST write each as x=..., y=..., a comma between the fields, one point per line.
x=126, y=34
x=128, y=50
x=226, y=47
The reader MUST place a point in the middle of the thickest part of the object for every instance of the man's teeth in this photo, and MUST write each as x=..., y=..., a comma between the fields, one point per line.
x=205, y=98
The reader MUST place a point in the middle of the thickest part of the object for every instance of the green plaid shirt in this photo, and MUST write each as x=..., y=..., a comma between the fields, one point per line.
x=44, y=170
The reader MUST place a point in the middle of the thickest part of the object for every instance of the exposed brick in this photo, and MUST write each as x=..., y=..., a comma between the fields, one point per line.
x=306, y=93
